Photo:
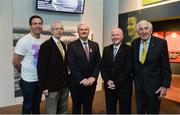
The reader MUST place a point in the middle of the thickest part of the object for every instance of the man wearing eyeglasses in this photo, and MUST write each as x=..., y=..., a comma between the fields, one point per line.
x=52, y=71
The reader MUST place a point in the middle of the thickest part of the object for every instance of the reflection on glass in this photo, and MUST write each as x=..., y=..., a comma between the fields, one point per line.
x=65, y=4
x=74, y=6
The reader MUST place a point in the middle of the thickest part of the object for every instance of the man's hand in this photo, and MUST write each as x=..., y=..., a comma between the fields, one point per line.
x=110, y=84
x=91, y=80
x=45, y=92
x=85, y=82
x=17, y=61
x=162, y=91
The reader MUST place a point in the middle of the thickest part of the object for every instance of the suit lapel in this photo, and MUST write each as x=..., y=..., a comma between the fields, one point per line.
x=111, y=52
x=81, y=49
x=150, y=50
x=55, y=47
x=91, y=51
x=119, y=50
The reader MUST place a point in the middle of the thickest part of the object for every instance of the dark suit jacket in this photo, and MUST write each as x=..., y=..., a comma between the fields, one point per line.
x=52, y=70
x=78, y=63
x=155, y=72
x=120, y=69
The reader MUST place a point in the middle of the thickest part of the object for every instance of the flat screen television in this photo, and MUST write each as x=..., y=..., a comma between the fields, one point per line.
x=66, y=6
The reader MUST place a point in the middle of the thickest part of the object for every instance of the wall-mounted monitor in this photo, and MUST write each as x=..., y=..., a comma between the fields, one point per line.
x=66, y=6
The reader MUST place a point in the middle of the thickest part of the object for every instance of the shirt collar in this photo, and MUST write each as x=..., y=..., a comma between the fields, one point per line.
x=117, y=46
x=147, y=41
x=82, y=41
x=55, y=39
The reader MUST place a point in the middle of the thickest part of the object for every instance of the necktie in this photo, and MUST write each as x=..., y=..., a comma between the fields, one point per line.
x=86, y=49
x=61, y=49
x=114, y=53
x=143, y=53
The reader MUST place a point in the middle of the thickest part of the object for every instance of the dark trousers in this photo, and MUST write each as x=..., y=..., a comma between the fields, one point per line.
x=82, y=96
x=124, y=98
x=32, y=97
x=149, y=104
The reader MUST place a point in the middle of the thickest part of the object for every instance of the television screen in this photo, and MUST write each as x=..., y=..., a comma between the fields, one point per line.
x=69, y=6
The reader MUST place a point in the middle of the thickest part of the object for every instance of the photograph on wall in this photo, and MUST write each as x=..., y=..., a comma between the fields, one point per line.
x=173, y=41
x=128, y=22
x=17, y=34
x=159, y=34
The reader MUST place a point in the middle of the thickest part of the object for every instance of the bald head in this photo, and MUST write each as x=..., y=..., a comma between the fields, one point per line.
x=116, y=36
x=117, y=30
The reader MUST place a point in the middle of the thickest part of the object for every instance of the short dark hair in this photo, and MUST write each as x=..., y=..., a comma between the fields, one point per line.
x=34, y=16
x=136, y=14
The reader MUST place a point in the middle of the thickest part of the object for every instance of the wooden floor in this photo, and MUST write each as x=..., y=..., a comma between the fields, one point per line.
x=174, y=91
x=169, y=105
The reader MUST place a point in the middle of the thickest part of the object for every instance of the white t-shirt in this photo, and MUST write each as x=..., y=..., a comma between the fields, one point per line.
x=28, y=46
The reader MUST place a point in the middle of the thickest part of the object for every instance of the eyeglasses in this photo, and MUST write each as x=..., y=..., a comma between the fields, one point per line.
x=58, y=29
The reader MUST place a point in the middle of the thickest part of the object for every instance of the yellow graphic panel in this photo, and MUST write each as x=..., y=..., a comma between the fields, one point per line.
x=147, y=2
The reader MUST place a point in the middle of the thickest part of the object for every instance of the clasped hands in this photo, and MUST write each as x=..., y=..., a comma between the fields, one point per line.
x=111, y=84
x=88, y=81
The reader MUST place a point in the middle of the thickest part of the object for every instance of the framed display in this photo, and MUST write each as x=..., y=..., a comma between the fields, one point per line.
x=66, y=6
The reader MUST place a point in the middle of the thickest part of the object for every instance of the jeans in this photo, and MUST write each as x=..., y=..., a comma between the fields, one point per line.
x=32, y=97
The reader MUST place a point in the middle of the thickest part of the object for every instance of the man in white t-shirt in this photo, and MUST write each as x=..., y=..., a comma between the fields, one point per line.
x=25, y=60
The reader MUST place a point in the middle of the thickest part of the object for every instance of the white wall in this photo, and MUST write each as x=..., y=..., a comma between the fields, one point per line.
x=15, y=13
x=110, y=19
x=6, y=69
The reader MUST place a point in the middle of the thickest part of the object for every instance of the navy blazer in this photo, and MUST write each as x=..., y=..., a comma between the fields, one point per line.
x=155, y=72
x=78, y=63
x=51, y=68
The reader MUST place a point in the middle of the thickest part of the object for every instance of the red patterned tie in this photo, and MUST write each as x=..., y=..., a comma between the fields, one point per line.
x=86, y=49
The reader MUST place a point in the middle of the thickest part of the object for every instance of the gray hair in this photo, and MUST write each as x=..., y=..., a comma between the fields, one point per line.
x=144, y=22
x=82, y=23
x=54, y=23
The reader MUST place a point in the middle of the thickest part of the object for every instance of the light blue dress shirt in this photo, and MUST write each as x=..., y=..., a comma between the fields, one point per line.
x=141, y=46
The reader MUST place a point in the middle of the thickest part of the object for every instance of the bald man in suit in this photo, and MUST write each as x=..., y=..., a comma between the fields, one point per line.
x=116, y=70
